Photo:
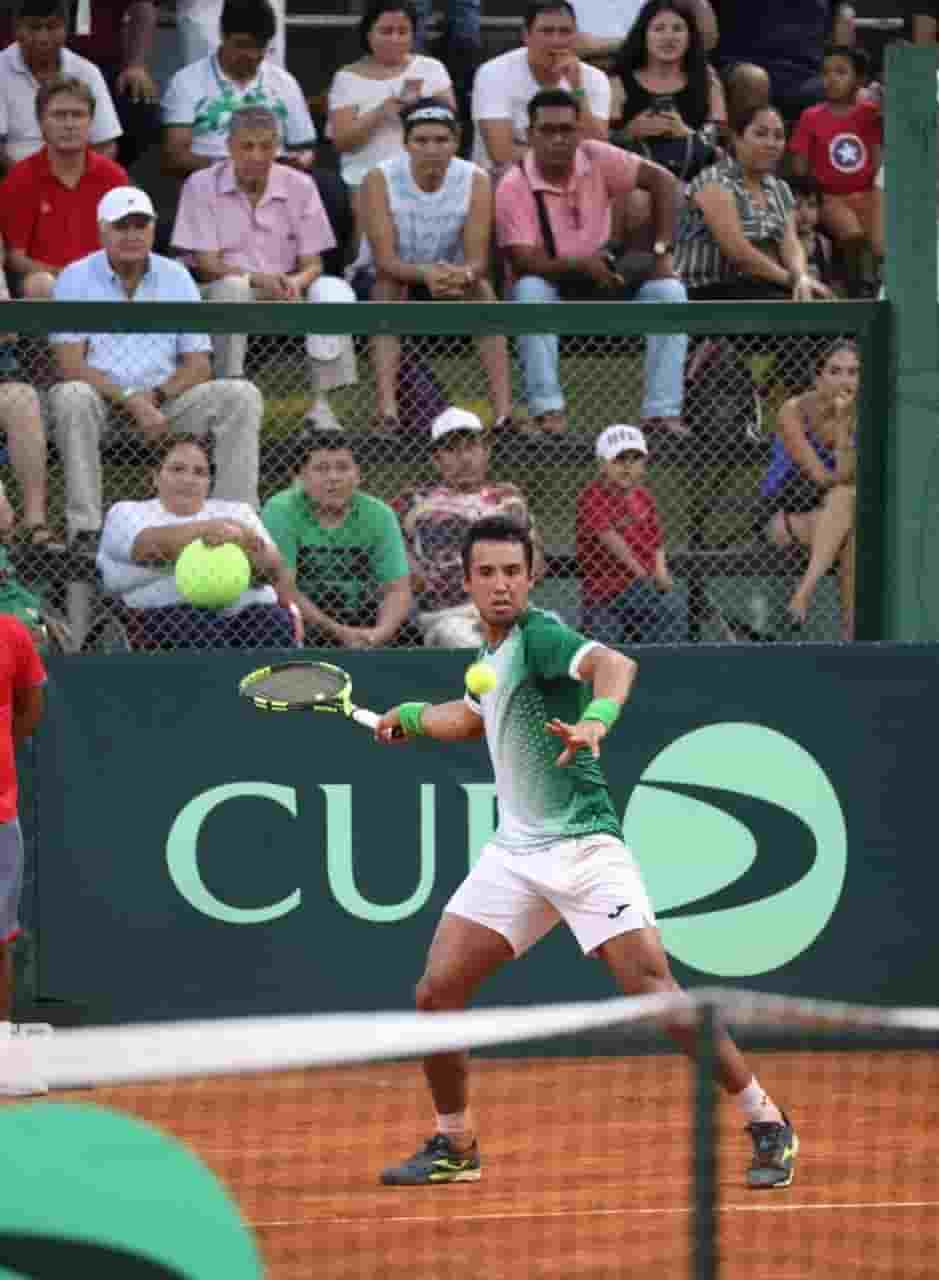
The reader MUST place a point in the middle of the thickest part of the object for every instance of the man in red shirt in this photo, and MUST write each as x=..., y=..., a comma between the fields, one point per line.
x=22, y=676
x=49, y=201
x=626, y=585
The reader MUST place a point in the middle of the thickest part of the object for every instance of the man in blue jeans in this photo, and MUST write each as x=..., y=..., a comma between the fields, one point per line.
x=553, y=221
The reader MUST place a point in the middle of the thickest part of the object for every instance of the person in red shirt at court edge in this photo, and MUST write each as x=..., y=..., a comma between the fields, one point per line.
x=627, y=589
x=49, y=201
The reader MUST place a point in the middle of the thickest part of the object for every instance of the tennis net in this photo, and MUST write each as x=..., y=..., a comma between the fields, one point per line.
x=605, y=1154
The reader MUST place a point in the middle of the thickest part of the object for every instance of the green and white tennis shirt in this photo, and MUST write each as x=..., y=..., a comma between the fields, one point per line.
x=540, y=803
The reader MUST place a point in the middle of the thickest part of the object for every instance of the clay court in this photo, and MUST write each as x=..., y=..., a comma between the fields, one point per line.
x=587, y=1169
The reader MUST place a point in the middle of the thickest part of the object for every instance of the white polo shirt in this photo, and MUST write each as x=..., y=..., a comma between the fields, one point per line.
x=606, y=19
x=202, y=97
x=18, y=87
x=504, y=86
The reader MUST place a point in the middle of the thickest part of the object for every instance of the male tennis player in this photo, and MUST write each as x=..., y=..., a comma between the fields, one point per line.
x=558, y=852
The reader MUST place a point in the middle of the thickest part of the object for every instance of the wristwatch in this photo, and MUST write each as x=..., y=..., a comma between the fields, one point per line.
x=661, y=248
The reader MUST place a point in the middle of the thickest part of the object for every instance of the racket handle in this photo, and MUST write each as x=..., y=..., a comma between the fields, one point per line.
x=368, y=719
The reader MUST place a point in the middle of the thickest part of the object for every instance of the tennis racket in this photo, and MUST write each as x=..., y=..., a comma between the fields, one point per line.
x=304, y=686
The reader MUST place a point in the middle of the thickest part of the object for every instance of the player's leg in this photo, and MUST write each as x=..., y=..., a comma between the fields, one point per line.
x=18, y=1075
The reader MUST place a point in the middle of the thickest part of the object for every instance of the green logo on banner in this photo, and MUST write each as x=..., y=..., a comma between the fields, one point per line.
x=742, y=845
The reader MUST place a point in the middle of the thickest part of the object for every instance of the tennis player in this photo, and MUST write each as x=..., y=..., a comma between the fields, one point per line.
x=558, y=852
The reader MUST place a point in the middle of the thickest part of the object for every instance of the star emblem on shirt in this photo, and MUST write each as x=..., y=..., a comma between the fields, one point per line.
x=848, y=153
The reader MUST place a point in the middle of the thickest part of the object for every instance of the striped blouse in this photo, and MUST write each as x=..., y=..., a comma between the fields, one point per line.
x=698, y=257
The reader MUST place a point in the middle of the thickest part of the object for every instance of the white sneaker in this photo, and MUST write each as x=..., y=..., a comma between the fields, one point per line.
x=321, y=417
x=19, y=1077
x=31, y=1028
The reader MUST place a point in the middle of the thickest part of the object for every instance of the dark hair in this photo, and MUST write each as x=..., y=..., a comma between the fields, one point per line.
x=633, y=54
x=746, y=118
x=805, y=186
x=536, y=8
x=42, y=9
x=249, y=18
x=551, y=98
x=840, y=344
x=165, y=446
x=496, y=529
x=63, y=84
x=854, y=54
x=375, y=10
x=423, y=104
x=316, y=440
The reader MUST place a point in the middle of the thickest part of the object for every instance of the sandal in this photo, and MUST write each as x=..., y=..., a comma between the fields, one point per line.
x=37, y=536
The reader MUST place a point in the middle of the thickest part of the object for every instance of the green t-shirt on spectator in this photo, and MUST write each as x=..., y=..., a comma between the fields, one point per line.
x=338, y=569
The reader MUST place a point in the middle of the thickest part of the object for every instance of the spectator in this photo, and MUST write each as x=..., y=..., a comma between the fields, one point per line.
x=257, y=230
x=21, y=422
x=815, y=244
x=746, y=87
x=604, y=25
x=197, y=30
x=38, y=57
x=505, y=86
x=668, y=101
x=343, y=547
x=839, y=143
x=737, y=237
x=627, y=587
x=428, y=220
x=563, y=190
x=808, y=491
x=49, y=201
x=153, y=383
x=201, y=98
x=787, y=44
x=367, y=97
x=435, y=521
x=15, y=598
x=141, y=542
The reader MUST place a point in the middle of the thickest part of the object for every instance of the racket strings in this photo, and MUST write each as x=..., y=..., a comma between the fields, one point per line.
x=299, y=684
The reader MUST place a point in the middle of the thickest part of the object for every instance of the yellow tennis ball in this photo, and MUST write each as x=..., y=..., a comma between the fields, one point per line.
x=212, y=577
x=480, y=678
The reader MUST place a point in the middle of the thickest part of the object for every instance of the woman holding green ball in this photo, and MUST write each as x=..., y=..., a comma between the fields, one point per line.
x=142, y=542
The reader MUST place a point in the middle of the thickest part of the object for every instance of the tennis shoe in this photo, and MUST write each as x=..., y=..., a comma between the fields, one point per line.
x=775, y=1147
x=19, y=1077
x=437, y=1162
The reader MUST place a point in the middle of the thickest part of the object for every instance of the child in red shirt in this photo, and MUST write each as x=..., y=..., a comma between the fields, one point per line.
x=626, y=585
x=839, y=142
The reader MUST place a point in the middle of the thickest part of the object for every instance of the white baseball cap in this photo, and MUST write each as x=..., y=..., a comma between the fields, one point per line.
x=121, y=201
x=617, y=439
x=454, y=420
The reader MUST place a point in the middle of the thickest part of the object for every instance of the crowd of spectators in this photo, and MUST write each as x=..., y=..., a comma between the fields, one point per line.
x=673, y=150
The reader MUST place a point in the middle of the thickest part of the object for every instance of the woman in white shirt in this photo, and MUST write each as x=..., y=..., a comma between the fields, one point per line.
x=141, y=542
x=367, y=97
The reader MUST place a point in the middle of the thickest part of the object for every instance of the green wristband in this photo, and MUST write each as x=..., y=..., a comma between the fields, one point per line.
x=409, y=714
x=606, y=710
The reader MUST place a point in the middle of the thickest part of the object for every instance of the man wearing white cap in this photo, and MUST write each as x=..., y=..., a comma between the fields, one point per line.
x=436, y=519
x=153, y=383
x=626, y=586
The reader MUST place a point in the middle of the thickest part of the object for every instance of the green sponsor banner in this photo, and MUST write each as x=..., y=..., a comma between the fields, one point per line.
x=198, y=858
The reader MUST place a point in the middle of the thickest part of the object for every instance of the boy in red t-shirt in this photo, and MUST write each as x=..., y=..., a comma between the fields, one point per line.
x=627, y=589
x=839, y=142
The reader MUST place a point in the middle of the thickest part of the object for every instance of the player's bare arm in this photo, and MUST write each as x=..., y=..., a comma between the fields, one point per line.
x=445, y=722
x=611, y=676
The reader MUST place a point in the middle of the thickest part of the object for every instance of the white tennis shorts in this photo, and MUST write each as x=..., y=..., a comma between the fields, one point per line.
x=592, y=883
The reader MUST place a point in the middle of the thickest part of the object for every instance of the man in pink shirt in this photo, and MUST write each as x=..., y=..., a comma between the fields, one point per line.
x=553, y=220
x=257, y=230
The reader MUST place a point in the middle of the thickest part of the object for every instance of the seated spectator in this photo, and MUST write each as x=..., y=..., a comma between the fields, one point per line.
x=435, y=521
x=197, y=27
x=816, y=245
x=427, y=216
x=808, y=491
x=21, y=422
x=141, y=542
x=38, y=57
x=344, y=549
x=49, y=201
x=737, y=237
x=603, y=26
x=201, y=98
x=504, y=86
x=839, y=142
x=627, y=587
x=667, y=101
x=152, y=383
x=257, y=230
x=15, y=598
x=367, y=97
x=563, y=191
x=786, y=43
x=746, y=87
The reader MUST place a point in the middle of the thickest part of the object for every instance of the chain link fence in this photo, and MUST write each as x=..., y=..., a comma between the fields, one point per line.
x=726, y=580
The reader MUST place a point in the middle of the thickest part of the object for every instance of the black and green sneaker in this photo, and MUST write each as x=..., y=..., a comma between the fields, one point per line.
x=438, y=1162
x=775, y=1147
